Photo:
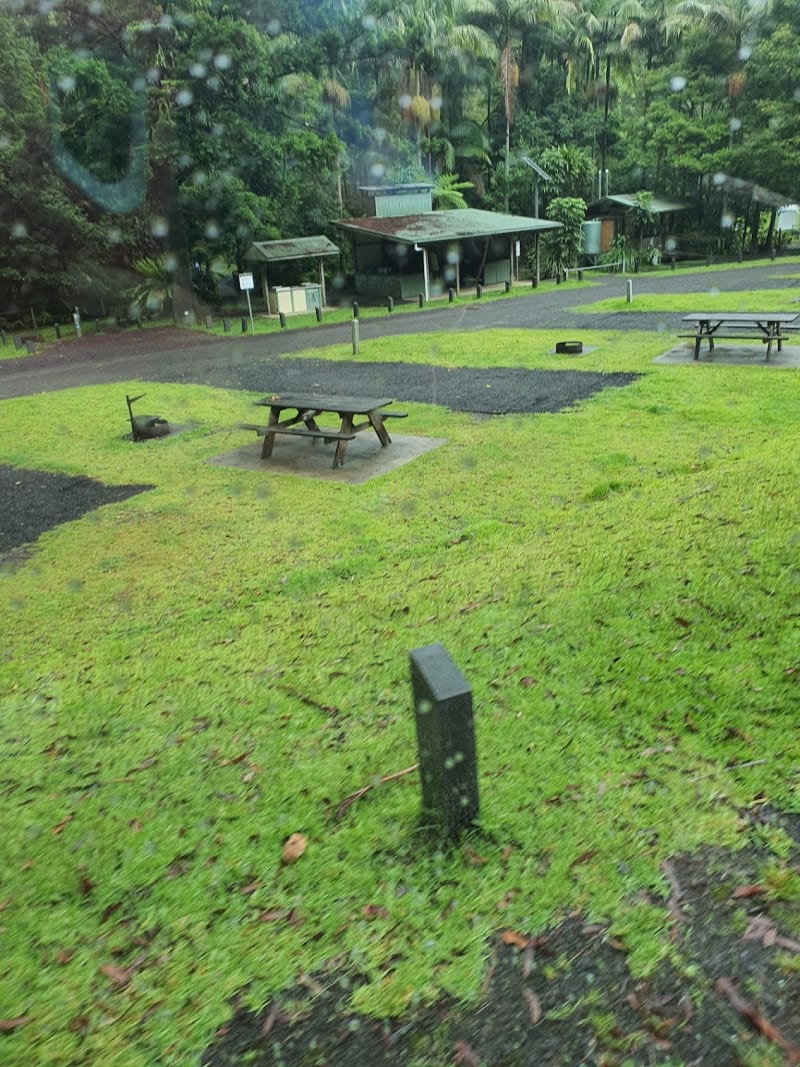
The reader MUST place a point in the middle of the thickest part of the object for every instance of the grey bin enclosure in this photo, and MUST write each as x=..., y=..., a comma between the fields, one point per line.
x=295, y=299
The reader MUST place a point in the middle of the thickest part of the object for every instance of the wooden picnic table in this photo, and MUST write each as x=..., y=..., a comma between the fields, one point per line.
x=308, y=407
x=769, y=327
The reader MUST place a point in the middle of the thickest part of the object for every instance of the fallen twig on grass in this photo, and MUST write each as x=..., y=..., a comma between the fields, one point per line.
x=726, y=987
x=359, y=793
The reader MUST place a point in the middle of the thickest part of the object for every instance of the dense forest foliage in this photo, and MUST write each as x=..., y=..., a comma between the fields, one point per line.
x=152, y=141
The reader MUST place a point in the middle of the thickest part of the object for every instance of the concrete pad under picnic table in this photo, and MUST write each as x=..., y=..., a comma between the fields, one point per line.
x=364, y=459
x=736, y=355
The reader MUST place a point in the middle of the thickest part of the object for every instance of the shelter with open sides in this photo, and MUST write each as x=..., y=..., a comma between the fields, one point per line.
x=291, y=298
x=406, y=248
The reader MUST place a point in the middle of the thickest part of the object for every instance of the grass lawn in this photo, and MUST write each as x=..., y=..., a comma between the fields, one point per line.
x=192, y=675
x=754, y=300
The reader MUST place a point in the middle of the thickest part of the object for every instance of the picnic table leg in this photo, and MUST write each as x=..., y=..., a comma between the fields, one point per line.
x=341, y=445
x=379, y=426
x=269, y=438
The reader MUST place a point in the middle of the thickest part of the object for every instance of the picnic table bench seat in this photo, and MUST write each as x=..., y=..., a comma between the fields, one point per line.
x=298, y=431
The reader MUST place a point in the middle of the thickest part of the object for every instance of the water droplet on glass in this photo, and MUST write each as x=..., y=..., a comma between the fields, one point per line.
x=222, y=61
x=66, y=83
x=159, y=227
x=184, y=97
x=735, y=124
x=198, y=70
x=678, y=83
x=19, y=229
x=377, y=170
x=369, y=22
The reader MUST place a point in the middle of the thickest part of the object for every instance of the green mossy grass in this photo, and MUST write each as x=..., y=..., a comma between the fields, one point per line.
x=193, y=674
x=754, y=300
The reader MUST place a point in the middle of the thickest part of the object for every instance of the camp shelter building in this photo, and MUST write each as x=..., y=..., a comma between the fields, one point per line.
x=265, y=255
x=407, y=248
x=613, y=211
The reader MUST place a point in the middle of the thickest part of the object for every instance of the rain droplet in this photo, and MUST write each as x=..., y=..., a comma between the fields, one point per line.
x=222, y=61
x=677, y=83
x=184, y=97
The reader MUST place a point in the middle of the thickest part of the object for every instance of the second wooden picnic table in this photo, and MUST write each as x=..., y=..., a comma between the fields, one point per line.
x=308, y=407
x=738, y=326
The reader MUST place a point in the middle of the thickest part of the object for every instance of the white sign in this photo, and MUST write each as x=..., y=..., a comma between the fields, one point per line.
x=246, y=281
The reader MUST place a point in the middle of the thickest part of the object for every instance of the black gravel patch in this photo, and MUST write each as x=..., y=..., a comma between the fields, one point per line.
x=489, y=391
x=36, y=501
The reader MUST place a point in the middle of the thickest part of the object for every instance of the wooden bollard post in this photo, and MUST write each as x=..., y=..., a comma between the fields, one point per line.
x=356, y=310
x=389, y=304
x=478, y=291
x=56, y=327
x=355, y=337
x=244, y=325
x=226, y=325
x=445, y=740
x=282, y=319
x=318, y=313
x=421, y=299
x=451, y=295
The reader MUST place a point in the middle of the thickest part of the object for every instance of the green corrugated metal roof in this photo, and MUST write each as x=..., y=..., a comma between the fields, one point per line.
x=294, y=248
x=435, y=226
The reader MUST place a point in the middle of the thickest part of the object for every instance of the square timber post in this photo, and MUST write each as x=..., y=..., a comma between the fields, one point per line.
x=445, y=740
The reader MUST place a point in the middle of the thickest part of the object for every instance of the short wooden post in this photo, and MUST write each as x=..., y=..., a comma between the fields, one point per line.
x=628, y=290
x=282, y=319
x=226, y=325
x=209, y=322
x=355, y=309
x=421, y=299
x=244, y=325
x=389, y=304
x=56, y=327
x=478, y=291
x=318, y=313
x=451, y=295
x=355, y=337
x=445, y=740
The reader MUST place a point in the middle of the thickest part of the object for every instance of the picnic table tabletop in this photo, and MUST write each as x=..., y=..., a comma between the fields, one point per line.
x=342, y=405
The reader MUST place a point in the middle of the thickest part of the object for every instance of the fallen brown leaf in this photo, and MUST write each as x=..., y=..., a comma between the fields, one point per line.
x=9, y=1025
x=511, y=937
x=748, y=891
x=294, y=848
x=120, y=976
x=374, y=911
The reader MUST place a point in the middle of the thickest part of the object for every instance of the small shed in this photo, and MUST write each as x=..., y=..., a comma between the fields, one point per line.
x=292, y=298
x=612, y=211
